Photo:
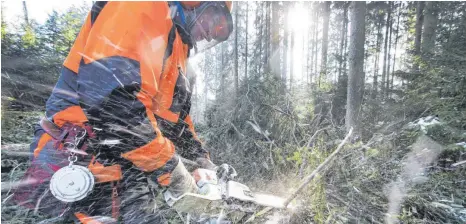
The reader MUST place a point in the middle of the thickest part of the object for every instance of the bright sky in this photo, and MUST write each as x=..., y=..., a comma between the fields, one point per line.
x=299, y=22
x=38, y=10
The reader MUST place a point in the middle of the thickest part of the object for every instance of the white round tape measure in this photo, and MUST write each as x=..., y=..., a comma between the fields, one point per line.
x=71, y=183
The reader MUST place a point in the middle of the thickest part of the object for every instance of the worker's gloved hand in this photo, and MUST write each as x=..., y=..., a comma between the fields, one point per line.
x=181, y=181
x=206, y=163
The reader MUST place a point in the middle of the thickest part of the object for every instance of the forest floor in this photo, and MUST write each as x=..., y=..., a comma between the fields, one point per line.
x=416, y=174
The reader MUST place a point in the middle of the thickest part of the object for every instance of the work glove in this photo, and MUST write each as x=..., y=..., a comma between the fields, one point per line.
x=181, y=181
x=206, y=163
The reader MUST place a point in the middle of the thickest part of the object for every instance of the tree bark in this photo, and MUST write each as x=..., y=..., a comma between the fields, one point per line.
x=303, y=55
x=326, y=18
x=267, y=38
x=285, y=44
x=376, y=59
x=342, y=39
x=308, y=44
x=25, y=13
x=236, y=51
x=385, y=54
x=291, y=59
x=387, y=82
x=261, y=16
x=312, y=40
x=246, y=44
x=396, y=44
x=316, y=40
x=430, y=26
x=345, y=53
x=275, y=41
x=418, y=33
x=356, y=60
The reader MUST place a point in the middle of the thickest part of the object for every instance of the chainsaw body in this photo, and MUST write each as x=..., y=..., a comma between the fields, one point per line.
x=221, y=197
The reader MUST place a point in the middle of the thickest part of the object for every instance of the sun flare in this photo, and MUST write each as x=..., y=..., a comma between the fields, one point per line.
x=298, y=18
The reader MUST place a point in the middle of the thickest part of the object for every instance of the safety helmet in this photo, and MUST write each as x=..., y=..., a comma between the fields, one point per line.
x=208, y=22
x=195, y=4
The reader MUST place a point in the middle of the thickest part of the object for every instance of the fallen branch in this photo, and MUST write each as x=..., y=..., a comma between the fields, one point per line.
x=22, y=150
x=313, y=136
x=308, y=179
x=7, y=186
x=458, y=163
x=277, y=109
x=237, y=131
x=15, y=147
x=263, y=211
x=16, y=150
x=318, y=169
x=15, y=154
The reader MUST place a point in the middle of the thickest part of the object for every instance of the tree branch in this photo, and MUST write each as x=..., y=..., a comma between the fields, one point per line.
x=318, y=169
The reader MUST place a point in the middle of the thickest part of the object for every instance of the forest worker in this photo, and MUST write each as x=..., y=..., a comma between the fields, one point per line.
x=120, y=109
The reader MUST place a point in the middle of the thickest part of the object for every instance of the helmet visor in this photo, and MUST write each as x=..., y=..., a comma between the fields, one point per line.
x=212, y=25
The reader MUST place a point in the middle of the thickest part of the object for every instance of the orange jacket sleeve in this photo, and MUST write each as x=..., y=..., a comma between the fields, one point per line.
x=119, y=67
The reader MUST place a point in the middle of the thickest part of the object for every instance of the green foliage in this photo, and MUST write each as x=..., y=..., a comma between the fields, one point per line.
x=44, y=40
x=318, y=196
x=6, y=38
x=259, y=106
x=445, y=134
x=319, y=201
x=29, y=37
x=4, y=30
x=51, y=32
x=324, y=85
x=372, y=152
x=443, y=203
x=296, y=157
x=32, y=55
x=70, y=23
x=440, y=87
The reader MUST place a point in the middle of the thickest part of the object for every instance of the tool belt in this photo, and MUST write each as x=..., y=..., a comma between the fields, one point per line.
x=74, y=138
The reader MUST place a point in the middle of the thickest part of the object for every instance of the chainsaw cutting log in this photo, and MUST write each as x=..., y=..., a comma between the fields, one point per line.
x=220, y=196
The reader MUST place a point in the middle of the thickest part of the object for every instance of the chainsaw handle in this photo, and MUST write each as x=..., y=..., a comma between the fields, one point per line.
x=226, y=172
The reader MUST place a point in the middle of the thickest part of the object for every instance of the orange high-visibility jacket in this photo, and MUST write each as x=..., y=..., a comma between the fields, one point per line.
x=126, y=76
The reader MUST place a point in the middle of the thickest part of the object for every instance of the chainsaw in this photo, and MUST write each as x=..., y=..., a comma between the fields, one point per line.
x=221, y=199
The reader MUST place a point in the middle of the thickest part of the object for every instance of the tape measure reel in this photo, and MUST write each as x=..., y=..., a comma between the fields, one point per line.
x=72, y=183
